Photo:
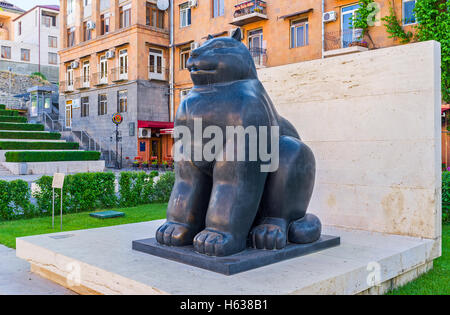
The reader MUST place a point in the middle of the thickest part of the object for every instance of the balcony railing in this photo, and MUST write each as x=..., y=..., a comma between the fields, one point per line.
x=343, y=39
x=99, y=78
x=249, y=11
x=81, y=83
x=119, y=74
x=158, y=74
x=259, y=56
x=66, y=86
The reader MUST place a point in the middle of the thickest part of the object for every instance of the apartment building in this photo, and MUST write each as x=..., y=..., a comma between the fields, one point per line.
x=114, y=59
x=279, y=32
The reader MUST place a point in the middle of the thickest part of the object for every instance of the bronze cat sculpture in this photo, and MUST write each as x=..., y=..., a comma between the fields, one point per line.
x=223, y=206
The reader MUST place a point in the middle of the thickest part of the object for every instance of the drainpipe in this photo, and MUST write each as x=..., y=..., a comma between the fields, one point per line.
x=323, y=29
x=172, y=55
x=39, y=39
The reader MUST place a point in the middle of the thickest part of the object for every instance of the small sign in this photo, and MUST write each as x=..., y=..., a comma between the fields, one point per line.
x=58, y=180
x=117, y=118
x=76, y=103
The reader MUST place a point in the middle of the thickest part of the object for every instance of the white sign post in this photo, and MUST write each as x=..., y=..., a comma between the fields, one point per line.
x=58, y=182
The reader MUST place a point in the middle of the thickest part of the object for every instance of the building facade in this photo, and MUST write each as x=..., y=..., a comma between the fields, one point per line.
x=114, y=59
x=29, y=40
x=279, y=32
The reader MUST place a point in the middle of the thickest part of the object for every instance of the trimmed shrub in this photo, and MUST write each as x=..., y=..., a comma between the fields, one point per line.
x=446, y=197
x=13, y=119
x=136, y=188
x=52, y=156
x=163, y=187
x=2, y=107
x=24, y=127
x=11, y=145
x=15, y=200
x=7, y=112
x=30, y=135
x=81, y=192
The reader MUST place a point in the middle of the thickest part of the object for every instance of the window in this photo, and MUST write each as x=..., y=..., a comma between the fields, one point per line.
x=299, y=33
x=69, y=75
x=156, y=64
x=87, y=32
x=53, y=42
x=52, y=58
x=256, y=46
x=155, y=17
x=123, y=64
x=84, y=106
x=48, y=19
x=185, y=15
x=71, y=37
x=70, y=6
x=6, y=52
x=218, y=8
x=102, y=104
x=105, y=23
x=348, y=33
x=24, y=54
x=86, y=73
x=184, y=56
x=122, y=101
x=408, y=12
x=103, y=69
x=125, y=16
x=19, y=28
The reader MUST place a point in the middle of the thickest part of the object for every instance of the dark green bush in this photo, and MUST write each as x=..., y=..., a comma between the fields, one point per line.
x=2, y=107
x=7, y=112
x=446, y=197
x=15, y=200
x=13, y=119
x=30, y=135
x=81, y=192
x=24, y=127
x=136, y=188
x=52, y=156
x=163, y=188
x=11, y=145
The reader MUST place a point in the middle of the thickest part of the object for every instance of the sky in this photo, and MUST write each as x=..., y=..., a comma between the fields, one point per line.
x=28, y=4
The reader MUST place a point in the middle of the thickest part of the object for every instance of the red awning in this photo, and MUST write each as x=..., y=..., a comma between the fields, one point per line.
x=155, y=124
x=445, y=107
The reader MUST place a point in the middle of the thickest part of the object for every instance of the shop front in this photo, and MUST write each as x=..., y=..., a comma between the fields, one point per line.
x=155, y=142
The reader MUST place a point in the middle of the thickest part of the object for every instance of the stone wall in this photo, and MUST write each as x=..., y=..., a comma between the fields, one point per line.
x=373, y=122
x=19, y=83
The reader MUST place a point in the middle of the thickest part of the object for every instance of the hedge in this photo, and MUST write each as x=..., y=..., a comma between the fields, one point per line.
x=11, y=145
x=2, y=107
x=163, y=188
x=13, y=119
x=30, y=135
x=24, y=127
x=446, y=197
x=52, y=156
x=7, y=112
x=15, y=201
x=81, y=192
x=136, y=188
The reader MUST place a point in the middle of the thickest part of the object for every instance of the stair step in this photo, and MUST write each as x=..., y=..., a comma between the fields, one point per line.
x=4, y=171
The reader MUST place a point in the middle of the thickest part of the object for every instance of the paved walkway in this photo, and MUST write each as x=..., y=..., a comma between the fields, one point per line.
x=16, y=278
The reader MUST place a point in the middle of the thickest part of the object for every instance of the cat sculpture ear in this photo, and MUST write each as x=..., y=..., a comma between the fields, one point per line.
x=210, y=37
x=237, y=34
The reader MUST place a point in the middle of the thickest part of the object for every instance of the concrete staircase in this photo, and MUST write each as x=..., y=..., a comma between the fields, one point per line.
x=4, y=172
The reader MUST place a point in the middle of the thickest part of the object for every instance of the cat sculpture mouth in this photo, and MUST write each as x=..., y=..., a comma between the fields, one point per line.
x=198, y=71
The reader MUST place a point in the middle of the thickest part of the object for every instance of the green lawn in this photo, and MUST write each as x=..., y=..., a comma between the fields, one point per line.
x=78, y=221
x=437, y=281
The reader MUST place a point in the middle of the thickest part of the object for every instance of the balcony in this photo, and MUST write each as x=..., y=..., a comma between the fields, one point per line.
x=119, y=74
x=158, y=74
x=82, y=84
x=66, y=86
x=249, y=12
x=344, y=42
x=259, y=57
x=99, y=79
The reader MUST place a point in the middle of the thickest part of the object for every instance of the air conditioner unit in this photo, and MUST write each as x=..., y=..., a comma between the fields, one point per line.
x=74, y=65
x=145, y=133
x=329, y=16
x=230, y=33
x=193, y=3
x=194, y=45
x=90, y=25
x=110, y=54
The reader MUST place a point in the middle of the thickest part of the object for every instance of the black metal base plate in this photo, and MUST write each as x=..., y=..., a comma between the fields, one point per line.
x=230, y=265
